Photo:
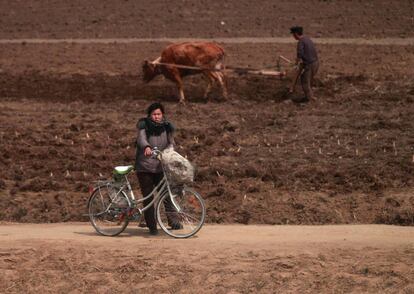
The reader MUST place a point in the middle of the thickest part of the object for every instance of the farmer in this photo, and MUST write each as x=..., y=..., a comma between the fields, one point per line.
x=307, y=59
x=153, y=131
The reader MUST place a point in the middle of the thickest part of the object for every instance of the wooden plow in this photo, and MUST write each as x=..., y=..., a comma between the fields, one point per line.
x=279, y=72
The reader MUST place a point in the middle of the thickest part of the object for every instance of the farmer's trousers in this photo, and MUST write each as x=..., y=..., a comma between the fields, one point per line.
x=307, y=76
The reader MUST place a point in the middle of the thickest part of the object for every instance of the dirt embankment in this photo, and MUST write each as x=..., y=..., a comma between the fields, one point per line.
x=68, y=111
x=69, y=115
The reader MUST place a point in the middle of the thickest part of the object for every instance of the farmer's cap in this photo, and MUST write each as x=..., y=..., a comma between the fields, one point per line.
x=296, y=30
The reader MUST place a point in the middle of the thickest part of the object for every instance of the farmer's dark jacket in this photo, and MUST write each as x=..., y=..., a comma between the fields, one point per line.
x=306, y=51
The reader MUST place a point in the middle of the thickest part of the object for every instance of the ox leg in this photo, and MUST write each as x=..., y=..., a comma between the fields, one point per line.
x=224, y=85
x=210, y=81
x=179, y=82
x=181, y=91
x=219, y=76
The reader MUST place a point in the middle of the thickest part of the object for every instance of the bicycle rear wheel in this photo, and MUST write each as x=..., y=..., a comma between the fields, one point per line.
x=185, y=218
x=108, y=210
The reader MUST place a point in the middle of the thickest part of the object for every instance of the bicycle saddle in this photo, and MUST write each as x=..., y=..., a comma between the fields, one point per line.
x=123, y=169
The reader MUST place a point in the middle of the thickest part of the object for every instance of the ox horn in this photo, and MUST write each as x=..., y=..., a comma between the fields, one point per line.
x=156, y=61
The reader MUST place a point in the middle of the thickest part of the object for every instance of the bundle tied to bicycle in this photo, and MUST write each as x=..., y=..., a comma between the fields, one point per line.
x=178, y=169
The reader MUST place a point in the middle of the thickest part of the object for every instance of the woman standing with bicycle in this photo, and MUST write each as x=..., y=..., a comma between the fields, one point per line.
x=154, y=131
x=179, y=210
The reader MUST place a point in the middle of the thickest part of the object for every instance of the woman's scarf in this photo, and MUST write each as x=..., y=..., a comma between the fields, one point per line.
x=153, y=128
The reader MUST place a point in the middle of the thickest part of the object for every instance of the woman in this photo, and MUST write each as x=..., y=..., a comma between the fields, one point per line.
x=153, y=131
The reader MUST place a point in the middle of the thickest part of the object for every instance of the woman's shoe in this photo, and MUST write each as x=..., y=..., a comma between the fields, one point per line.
x=153, y=232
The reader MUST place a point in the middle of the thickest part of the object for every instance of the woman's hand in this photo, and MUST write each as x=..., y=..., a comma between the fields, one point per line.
x=148, y=151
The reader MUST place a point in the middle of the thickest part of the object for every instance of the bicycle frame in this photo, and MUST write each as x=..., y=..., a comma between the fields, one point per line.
x=159, y=191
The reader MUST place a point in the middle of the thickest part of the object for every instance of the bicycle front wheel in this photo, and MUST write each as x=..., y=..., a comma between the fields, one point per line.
x=108, y=210
x=182, y=215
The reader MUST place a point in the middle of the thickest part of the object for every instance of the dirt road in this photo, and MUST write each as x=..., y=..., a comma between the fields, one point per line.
x=220, y=259
x=228, y=40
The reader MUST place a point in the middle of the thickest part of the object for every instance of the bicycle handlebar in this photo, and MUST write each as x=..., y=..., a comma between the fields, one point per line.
x=156, y=153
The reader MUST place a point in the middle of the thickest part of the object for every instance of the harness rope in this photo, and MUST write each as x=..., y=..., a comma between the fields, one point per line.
x=185, y=66
x=228, y=69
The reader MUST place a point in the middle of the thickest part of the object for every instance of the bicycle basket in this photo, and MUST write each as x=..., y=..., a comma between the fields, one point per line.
x=177, y=168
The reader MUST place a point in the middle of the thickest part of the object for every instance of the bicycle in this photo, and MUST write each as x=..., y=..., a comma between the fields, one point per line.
x=180, y=212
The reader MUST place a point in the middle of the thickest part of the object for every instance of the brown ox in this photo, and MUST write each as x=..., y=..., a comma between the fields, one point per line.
x=209, y=57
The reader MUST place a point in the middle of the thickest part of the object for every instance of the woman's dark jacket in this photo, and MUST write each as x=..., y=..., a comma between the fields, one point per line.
x=152, y=134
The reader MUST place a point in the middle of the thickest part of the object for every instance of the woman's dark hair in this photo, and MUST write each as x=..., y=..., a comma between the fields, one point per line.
x=153, y=107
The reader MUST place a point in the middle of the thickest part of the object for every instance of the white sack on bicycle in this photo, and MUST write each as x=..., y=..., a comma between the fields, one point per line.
x=177, y=167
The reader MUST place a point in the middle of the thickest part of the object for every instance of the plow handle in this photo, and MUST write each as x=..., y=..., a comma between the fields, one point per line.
x=295, y=80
